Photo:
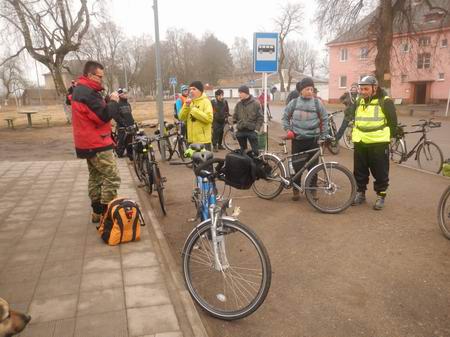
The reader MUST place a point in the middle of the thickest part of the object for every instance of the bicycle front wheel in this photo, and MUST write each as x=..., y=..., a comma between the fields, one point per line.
x=230, y=141
x=271, y=186
x=348, y=138
x=233, y=282
x=159, y=186
x=430, y=157
x=330, y=188
x=137, y=164
x=397, y=150
x=333, y=145
x=444, y=213
x=181, y=148
x=147, y=174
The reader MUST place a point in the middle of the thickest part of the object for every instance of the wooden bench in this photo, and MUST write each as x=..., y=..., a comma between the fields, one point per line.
x=10, y=122
x=47, y=119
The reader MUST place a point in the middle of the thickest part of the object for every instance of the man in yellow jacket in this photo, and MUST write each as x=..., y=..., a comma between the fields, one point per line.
x=197, y=113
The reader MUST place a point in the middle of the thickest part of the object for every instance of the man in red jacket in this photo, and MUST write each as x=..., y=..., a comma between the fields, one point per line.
x=91, y=118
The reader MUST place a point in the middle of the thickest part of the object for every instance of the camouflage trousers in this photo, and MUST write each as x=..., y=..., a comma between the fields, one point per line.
x=104, y=179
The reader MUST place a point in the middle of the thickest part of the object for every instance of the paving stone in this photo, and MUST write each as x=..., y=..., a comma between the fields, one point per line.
x=142, y=275
x=94, y=302
x=64, y=267
x=68, y=241
x=59, y=328
x=139, y=259
x=32, y=245
x=151, y=320
x=17, y=273
x=65, y=253
x=18, y=291
x=169, y=334
x=109, y=324
x=137, y=246
x=146, y=295
x=101, y=280
x=101, y=249
x=28, y=257
x=38, y=233
x=55, y=308
x=101, y=263
x=54, y=287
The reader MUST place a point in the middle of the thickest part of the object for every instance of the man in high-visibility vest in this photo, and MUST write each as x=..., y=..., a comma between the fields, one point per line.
x=375, y=124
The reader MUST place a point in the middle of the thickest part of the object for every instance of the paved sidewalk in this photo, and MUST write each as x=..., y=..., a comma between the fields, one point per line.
x=54, y=265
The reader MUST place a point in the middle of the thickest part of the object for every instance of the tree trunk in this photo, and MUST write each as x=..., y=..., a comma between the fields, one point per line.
x=384, y=30
x=56, y=73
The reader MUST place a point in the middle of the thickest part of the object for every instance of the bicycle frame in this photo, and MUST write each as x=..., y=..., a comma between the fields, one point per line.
x=421, y=141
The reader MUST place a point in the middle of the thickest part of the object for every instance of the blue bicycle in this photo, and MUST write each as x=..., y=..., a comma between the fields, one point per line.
x=225, y=265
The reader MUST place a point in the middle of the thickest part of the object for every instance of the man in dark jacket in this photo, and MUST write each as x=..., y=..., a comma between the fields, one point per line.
x=294, y=94
x=91, y=118
x=123, y=119
x=249, y=119
x=221, y=112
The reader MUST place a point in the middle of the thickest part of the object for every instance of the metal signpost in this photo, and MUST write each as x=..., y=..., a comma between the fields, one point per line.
x=265, y=60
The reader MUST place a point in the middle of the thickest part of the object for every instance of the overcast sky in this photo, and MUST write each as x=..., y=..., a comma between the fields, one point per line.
x=227, y=19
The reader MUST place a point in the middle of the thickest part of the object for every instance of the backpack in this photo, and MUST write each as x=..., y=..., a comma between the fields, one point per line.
x=121, y=223
x=239, y=170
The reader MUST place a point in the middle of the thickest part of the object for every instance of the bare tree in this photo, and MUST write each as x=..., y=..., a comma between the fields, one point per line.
x=12, y=78
x=214, y=60
x=242, y=56
x=289, y=20
x=103, y=43
x=48, y=30
x=299, y=56
x=378, y=25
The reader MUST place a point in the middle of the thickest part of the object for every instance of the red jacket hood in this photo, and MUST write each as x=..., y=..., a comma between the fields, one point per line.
x=83, y=80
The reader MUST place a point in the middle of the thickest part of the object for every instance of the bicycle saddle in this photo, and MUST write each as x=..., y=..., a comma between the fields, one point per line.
x=201, y=157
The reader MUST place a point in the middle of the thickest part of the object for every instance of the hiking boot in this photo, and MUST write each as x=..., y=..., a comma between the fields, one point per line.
x=296, y=194
x=95, y=218
x=379, y=203
x=359, y=198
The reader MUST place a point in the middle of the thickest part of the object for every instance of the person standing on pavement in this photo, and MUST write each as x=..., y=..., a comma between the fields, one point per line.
x=306, y=120
x=91, y=124
x=197, y=113
x=123, y=119
x=248, y=118
x=348, y=99
x=375, y=125
x=221, y=112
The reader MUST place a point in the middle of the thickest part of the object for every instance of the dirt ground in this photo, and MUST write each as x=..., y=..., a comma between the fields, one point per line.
x=358, y=273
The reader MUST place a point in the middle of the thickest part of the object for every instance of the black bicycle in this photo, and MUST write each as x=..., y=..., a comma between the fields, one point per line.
x=333, y=145
x=329, y=187
x=146, y=166
x=444, y=213
x=174, y=140
x=428, y=155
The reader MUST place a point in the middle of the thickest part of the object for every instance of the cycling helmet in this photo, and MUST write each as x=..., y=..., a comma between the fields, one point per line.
x=368, y=80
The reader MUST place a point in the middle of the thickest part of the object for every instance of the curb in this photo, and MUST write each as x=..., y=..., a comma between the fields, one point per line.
x=190, y=322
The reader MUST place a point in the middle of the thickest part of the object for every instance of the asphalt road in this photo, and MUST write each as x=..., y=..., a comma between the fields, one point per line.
x=358, y=273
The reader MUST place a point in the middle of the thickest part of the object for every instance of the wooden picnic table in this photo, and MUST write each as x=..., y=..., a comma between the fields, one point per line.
x=28, y=113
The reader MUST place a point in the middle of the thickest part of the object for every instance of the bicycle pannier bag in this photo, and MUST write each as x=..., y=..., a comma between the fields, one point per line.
x=121, y=223
x=239, y=170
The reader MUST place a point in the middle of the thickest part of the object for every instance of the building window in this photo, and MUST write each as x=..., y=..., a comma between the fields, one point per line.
x=441, y=76
x=405, y=47
x=424, y=61
x=444, y=43
x=424, y=41
x=404, y=78
x=342, y=81
x=344, y=55
x=363, y=53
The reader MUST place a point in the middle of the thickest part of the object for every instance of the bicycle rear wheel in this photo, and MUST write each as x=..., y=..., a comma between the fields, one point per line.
x=230, y=141
x=444, y=213
x=348, y=138
x=159, y=186
x=167, y=148
x=330, y=188
x=237, y=286
x=333, y=146
x=181, y=144
x=137, y=164
x=272, y=186
x=147, y=173
x=397, y=150
x=430, y=157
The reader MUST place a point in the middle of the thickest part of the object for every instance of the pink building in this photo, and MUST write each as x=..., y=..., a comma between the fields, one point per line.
x=420, y=61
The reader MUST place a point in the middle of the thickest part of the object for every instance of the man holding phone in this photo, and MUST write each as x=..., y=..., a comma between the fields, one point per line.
x=197, y=113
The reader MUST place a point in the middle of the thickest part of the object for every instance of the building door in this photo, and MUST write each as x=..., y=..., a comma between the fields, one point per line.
x=420, y=95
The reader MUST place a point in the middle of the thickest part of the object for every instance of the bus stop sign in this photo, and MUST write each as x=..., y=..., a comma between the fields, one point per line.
x=265, y=52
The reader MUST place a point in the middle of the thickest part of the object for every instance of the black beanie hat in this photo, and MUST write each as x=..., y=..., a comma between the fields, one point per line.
x=304, y=83
x=197, y=84
x=245, y=89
